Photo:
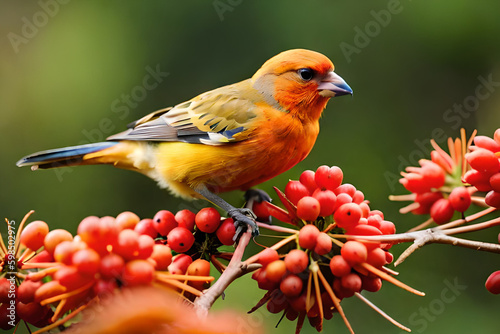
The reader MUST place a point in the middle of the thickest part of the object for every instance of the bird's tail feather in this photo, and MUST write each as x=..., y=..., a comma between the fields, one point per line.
x=68, y=156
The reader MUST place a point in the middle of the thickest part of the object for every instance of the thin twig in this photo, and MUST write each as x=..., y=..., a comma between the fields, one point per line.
x=234, y=269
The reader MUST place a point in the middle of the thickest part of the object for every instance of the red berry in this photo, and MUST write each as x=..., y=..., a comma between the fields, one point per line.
x=69, y=277
x=162, y=255
x=342, y=199
x=493, y=283
x=179, y=264
x=146, y=227
x=441, y=211
x=261, y=210
x=291, y=286
x=185, y=218
x=5, y=290
x=434, y=175
x=307, y=179
x=323, y=244
x=99, y=233
x=328, y=177
x=275, y=270
x=138, y=272
x=87, y=261
x=495, y=182
x=346, y=188
x=31, y=312
x=33, y=234
x=460, y=199
x=164, y=221
x=146, y=244
x=65, y=250
x=351, y=282
x=308, y=208
x=487, y=143
x=339, y=266
x=347, y=215
x=327, y=200
x=366, y=229
x=294, y=191
x=354, y=252
x=127, y=244
x=199, y=267
x=26, y=291
x=493, y=199
x=479, y=180
x=496, y=136
x=180, y=239
x=365, y=209
x=387, y=227
x=267, y=256
x=126, y=220
x=225, y=232
x=376, y=257
x=296, y=261
x=425, y=200
x=111, y=266
x=358, y=197
x=308, y=236
x=372, y=284
x=54, y=238
x=207, y=220
x=483, y=160
x=105, y=288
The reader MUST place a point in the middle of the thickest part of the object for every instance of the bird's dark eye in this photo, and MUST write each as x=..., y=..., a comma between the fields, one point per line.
x=306, y=74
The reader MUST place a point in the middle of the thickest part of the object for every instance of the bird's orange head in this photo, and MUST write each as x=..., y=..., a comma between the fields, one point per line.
x=300, y=82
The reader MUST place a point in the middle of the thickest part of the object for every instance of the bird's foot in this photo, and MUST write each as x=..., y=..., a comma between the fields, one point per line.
x=243, y=218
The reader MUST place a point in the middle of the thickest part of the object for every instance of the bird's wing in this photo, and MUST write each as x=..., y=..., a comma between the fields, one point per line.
x=216, y=117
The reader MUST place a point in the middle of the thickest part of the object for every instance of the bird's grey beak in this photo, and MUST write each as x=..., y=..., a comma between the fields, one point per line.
x=333, y=85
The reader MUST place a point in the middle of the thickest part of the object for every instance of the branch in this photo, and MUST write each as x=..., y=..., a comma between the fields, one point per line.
x=235, y=269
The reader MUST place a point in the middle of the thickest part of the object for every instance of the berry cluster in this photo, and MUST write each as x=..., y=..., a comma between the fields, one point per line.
x=436, y=186
x=109, y=254
x=484, y=160
x=325, y=210
x=444, y=185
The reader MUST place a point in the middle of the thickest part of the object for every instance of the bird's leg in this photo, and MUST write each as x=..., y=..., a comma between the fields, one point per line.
x=243, y=217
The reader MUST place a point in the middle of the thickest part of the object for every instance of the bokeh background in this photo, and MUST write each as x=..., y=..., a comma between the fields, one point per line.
x=66, y=68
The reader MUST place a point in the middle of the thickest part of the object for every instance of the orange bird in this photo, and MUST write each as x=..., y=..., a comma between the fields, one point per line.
x=232, y=137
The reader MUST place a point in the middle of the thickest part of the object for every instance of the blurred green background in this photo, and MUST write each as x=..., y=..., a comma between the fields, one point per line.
x=67, y=66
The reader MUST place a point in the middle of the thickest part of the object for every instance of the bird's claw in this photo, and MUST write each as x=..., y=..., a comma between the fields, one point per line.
x=243, y=218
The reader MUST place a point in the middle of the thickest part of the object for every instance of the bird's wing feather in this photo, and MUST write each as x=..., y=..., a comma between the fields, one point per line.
x=213, y=118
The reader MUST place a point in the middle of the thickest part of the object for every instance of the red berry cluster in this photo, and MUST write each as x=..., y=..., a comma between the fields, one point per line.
x=178, y=230
x=484, y=160
x=437, y=186
x=322, y=205
x=106, y=254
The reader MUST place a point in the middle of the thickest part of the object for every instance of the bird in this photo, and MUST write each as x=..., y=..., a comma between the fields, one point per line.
x=233, y=137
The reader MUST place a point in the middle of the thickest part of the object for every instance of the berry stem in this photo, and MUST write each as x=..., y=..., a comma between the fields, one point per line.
x=20, y=229
x=390, y=279
x=382, y=313
x=335, y=301
x=276, y=246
